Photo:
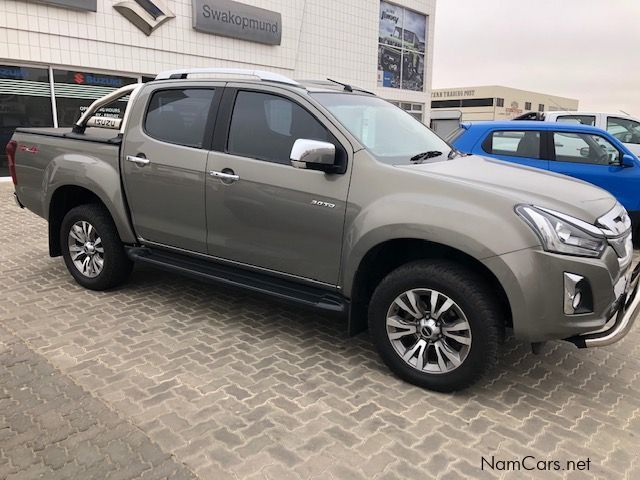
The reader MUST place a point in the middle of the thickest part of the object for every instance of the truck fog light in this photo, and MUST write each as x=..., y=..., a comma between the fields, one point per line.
x=577, y=294
x=576, y=300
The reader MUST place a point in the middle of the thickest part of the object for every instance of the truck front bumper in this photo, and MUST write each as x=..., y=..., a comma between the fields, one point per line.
x=534, y=282
x=620, y=323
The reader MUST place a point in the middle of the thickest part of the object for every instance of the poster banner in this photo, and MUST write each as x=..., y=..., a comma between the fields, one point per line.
x=401, y=47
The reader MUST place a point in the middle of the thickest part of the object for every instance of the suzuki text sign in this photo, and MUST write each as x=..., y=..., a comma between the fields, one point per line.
x=89, y=5
x=237, y=20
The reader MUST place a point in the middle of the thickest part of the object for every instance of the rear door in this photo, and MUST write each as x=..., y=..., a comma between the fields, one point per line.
x=517, y=146
x=274, y=216
x=164, y=163
x=594, y=159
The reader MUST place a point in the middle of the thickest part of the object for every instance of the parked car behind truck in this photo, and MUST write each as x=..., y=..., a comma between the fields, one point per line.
x=330, y=197
x=580, y=151
x=623, y=127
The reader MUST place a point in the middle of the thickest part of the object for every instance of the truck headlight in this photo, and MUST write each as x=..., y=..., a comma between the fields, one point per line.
x=562, y=233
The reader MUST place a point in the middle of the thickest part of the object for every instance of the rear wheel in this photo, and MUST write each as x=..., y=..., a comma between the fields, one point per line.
x=435, y=324
x=92, y=249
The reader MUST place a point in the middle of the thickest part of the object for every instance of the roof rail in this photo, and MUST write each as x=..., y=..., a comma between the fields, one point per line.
x=261, y=74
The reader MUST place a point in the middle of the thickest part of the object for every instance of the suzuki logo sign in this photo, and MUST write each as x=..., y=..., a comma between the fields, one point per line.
x=147, y=15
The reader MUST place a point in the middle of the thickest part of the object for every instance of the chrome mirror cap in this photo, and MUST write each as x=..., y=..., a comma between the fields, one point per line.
x=312, y=154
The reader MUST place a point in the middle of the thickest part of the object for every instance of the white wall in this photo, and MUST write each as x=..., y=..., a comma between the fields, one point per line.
x=320, y=38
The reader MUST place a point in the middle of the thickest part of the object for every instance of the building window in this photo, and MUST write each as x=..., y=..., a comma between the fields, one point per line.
x=477, y=102
x=469, y=102
x=25, y=101
x=541, y=108
x=401, y=47
x=499, y=102
x=527, y=105
x=446, y=103
x=413, y=109
x=76, y=90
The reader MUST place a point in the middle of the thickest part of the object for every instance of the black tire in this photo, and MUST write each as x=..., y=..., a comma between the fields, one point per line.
x=116, y=267
x=475, y=300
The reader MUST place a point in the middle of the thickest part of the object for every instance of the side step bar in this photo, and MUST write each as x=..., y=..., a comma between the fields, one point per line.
x=310, y=296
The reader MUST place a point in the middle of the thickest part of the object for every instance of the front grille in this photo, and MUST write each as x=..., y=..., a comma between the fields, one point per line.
x=624, y=248
x=616, y=225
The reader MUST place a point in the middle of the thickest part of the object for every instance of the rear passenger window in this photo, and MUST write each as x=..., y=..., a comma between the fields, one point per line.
x=179, y=116
x=265, y=127
x=578, y=119
x=513, y=143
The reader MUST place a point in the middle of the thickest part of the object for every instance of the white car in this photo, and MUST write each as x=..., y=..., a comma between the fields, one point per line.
x=624, y=127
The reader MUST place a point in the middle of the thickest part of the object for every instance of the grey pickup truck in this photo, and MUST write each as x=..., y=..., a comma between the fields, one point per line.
x=326, y=195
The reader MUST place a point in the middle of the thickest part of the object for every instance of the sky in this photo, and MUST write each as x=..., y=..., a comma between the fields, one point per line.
x=584, y=49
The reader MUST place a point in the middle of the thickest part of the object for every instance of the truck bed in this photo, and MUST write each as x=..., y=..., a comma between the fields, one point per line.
x=49, y=157
x=99, y=135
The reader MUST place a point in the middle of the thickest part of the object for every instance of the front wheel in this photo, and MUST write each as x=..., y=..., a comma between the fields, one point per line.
x=435, y=324
x=92, y=249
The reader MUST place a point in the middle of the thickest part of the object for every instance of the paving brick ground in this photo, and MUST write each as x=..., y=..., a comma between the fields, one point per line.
x=52, y=428
x=231, y=385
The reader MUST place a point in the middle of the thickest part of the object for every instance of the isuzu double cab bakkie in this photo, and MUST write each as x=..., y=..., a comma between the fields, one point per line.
x=326, y=195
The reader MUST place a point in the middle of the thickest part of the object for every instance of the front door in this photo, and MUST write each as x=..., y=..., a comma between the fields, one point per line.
x=592, y=158
x=626, y=130
x=164, y=166
x=269, y=214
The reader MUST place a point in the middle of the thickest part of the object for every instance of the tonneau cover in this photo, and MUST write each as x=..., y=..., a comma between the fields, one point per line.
x=99, y=135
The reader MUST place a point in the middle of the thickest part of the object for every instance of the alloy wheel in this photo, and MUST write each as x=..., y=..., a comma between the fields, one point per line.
x=86, y=249
x=428, y=330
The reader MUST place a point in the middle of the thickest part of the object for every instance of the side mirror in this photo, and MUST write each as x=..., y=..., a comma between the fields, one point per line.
x=628, y=160
x=313, y=155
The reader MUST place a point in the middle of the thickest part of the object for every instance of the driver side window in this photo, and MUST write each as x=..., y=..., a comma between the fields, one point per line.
x=584, y=148
x=265, y=127
x=624, y=129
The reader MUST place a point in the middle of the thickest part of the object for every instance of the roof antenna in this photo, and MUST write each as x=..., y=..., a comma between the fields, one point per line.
x=627, y=114
x=347, y=87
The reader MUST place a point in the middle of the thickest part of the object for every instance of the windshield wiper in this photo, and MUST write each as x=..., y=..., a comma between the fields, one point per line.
x=425, y=155
x=455, y=153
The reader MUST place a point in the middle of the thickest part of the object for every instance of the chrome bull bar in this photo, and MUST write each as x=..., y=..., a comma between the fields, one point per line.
x=625, y=316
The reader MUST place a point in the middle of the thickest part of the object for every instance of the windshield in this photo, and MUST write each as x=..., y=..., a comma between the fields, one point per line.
x=388, y=132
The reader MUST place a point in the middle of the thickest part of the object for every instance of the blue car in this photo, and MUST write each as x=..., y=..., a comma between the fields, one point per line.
x=580, y=151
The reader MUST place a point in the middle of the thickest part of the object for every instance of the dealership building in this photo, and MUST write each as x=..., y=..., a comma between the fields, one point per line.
x=450, y=106
x=57, y=56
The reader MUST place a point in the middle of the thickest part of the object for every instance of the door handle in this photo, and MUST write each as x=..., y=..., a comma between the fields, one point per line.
x=229, y=176
x=138, y=160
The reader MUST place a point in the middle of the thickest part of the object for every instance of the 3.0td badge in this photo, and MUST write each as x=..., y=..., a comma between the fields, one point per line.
x=147, y=15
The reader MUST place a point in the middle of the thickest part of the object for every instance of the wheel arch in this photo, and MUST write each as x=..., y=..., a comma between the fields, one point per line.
x=63, y=199
x=385, y=257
